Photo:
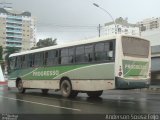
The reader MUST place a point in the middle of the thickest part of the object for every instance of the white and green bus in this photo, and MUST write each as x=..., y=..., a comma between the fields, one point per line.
x=90, y=66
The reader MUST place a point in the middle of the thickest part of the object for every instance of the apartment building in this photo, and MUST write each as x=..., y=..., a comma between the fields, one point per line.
x=150, y=29
x=121, y=26
x=149, y=24
x=17, y=29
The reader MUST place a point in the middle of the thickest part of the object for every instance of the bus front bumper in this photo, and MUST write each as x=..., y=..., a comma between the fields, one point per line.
x=122, y=83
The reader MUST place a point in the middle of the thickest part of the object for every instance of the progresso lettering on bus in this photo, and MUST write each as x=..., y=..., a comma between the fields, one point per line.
x=135, y=68
x=46, y=73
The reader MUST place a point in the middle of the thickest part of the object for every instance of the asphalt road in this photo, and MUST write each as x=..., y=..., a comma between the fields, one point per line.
x=111, y=102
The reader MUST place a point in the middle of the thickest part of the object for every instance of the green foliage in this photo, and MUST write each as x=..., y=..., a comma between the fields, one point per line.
x=45, y=43
x=11, y=50
x=8, y=51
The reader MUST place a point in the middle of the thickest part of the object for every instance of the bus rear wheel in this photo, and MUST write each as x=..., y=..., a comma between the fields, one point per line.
x=66, y=89
x=20, y=87
x=94, y=94
x=45, y=91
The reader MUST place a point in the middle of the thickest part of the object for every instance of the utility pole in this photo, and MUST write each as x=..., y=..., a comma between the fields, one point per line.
x=99, y=30
x=107, y=13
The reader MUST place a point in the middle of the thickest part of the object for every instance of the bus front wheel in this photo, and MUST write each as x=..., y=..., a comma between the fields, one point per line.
x=20, y=87
x=94, y=93
x=66, y=89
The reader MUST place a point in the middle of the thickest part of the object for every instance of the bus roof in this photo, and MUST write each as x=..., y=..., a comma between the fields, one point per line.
x=80, y=42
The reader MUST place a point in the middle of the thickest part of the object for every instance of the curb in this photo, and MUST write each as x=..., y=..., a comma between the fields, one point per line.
x=154, y=88
x=151, y=88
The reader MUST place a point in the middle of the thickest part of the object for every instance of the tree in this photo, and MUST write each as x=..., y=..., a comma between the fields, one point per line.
x=46, y=42
x=8, y=51
x=11, y=50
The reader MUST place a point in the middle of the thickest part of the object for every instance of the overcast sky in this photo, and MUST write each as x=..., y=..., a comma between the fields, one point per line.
x=77, y=19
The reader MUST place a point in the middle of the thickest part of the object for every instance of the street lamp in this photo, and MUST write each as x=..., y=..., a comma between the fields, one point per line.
x=107, y=13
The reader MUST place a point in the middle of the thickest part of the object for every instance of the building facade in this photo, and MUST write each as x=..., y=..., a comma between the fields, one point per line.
x=150, y=29
x=149, y=24
x=121, y=27
x=17, y=29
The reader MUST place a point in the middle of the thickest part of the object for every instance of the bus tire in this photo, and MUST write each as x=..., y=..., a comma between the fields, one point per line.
x=45, y=91
x=94, y=94
x=66, y=89
x=20, y=87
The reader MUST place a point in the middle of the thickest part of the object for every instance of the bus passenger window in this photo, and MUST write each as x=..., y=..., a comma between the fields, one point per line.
x=110, y=53
x=55, y=57
x=88, y=53
x=12, y=63
x=31, y=60
x=16, y=63
x=99, y=52
x=64, y=56
x=80, y=57
x=71, y=55
x=111, y=46
x=23, y=61
x=45, y=59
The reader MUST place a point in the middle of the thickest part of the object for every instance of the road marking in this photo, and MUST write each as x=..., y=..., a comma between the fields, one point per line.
x=59, y=99
x=41, y=103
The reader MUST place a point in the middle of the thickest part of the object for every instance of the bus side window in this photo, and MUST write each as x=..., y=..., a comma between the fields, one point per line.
x=89, y=53
x=12, y=63
x=31, y=60
x=45, y=59
x=15, y=66
x=99, y=52
x=23, y=61
x=55, y=57
x=27, y=61
x=80, y=57
x=18, y=62
x=71, y=55
x=50, y=57
x=64, y=56
x=37, y=59
x=109, y=48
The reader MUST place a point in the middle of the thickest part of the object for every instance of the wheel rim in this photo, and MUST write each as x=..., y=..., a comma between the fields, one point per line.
x=20, y=86
x=66, y=89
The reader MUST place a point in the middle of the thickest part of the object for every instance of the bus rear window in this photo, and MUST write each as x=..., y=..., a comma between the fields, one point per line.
x=135, y=47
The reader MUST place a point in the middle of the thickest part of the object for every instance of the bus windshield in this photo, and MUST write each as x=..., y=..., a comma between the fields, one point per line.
x=135, y=47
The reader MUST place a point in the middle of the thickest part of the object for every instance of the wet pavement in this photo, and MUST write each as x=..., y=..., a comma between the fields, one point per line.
x=112, y=101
